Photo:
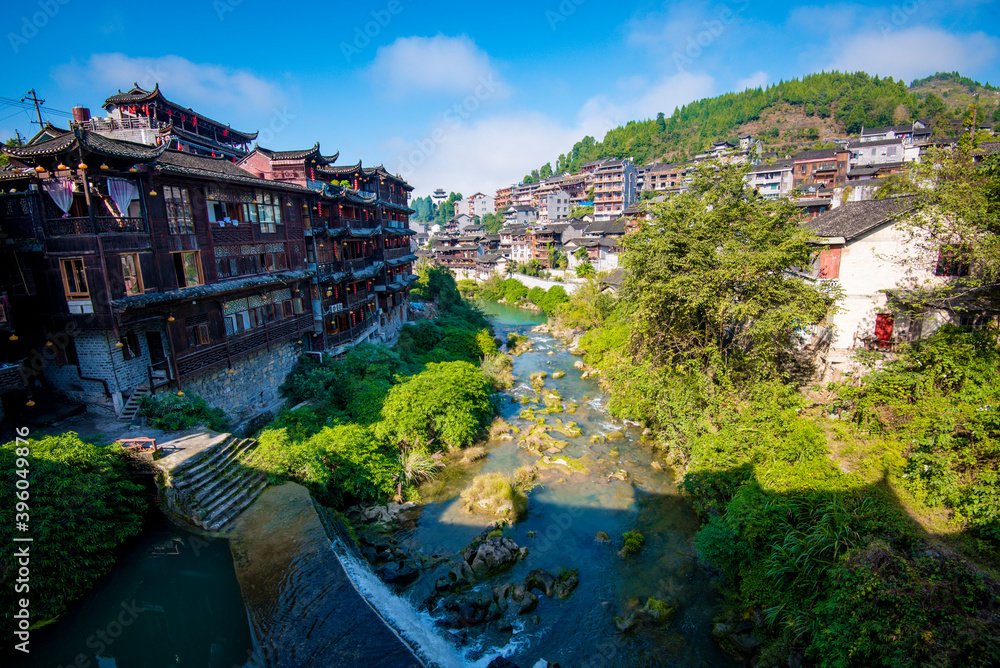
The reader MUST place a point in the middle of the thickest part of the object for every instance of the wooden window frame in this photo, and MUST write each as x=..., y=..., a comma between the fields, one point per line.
x=177, y=202
x=138, y=274
x=70, y=294
x=197, y=262
x=130, y=345
x=953, y=261
x=203, y=335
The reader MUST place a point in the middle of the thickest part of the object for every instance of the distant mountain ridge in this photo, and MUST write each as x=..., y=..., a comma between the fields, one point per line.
x=787, y=116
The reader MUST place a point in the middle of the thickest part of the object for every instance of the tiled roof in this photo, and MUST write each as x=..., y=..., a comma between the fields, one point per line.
x=853, y=219
x=88, y=141
x=313, y=152
x=819, y=154
x=138, y=95
x=776, y=166
x=190, y=164
x=878, y=142
x=202, y=291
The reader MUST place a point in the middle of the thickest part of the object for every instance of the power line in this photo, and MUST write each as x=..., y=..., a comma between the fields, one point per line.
x=34, y=98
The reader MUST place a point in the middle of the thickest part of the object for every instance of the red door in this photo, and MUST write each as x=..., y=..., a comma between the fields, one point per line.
x=883, y=329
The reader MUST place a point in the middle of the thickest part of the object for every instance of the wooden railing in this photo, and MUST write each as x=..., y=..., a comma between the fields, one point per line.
x=352, y=300
x=207, y=357
x=352, y=333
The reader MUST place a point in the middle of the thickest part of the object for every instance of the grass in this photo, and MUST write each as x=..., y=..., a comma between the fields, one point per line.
x=497, y=495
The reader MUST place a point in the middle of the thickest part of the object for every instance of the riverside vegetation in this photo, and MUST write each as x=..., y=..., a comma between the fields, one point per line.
x=856, y=524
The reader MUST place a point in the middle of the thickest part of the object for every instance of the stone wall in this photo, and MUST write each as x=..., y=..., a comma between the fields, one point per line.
x=529, y=281
x=98, y=357
x=253, y=387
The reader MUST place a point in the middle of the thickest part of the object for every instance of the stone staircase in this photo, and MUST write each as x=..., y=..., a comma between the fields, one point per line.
x=206, y=483
x=131, y=407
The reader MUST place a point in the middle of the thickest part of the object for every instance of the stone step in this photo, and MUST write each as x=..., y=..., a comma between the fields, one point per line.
x=249, y=496
x=209, y=500
x=197, y=462
x=209, y=468
x=204, y=467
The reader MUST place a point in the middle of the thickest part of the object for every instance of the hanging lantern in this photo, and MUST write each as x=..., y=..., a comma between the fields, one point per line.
x=62, y=167
x=171, y=318
x=29, y=403
x=39, y=169
x=180, y=393
x=82, y=165
x=13, y=337
x=231, y=370
x=152, y=193
x=104, y=167
x=117, y=345
x=132, y=170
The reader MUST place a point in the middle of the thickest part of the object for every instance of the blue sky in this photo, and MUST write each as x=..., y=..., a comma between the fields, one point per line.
x=464, y=96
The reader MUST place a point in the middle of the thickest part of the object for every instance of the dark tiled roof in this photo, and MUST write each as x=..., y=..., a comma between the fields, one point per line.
x=202, y=291
x=138, y=95
x=313, y=153
x=489, y=258
x=190, y=164
x=48, y=131
x=874, y=169
x=606, y=227
x=853, y=219
x=89, y=142
x=987, y=148
x=776, y=166
x=819, y=154
x=883, y=130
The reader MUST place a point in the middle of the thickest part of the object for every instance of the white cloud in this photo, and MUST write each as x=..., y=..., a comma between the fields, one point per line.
x=216, y=90
x=758, y=78
x=440, y=64
x=481, y=155
x=600, y=113
x=915, y=52
x=486, y=152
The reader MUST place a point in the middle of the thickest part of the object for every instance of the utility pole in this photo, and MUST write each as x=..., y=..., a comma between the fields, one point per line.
x=34, y=98
x=17, y=133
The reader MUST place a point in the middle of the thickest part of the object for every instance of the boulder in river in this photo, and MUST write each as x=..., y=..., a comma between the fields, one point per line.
x=493, y=554
x=541, y=580
x=528, y=604
x=579, y=364
x=602, y=537
x=625, y=623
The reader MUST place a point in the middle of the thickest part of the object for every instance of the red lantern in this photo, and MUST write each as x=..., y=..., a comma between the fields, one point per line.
x=194, y=121
x=225, y=132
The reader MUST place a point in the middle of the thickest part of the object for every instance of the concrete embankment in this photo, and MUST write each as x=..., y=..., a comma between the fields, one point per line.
x=303, y=609
x=530, y=281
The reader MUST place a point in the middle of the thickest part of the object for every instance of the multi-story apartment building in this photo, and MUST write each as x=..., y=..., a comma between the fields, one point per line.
x=476, y=205
x=614, y=188
x=668, y=177
x=827, y=167
x=504, y=198
x=772, y=181
x=553, y=205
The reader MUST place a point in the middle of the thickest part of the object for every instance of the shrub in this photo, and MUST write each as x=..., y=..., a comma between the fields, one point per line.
x=495, y=494
x=171, y=412
x=449, y=404
x=339, y=465
x=83, y=507
x=498, y=368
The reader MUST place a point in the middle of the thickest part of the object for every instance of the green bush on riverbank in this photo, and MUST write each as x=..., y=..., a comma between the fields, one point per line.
x=80, y=507
x=375, y=415
x=807, y=518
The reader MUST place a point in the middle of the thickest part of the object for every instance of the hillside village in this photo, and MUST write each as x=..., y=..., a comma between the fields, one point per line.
x=571, y=226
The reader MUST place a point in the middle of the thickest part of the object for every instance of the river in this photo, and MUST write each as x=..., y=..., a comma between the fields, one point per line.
x=565, y=513
x=173, y=599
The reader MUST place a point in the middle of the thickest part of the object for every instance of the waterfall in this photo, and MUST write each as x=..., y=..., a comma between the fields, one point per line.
x=415, y=628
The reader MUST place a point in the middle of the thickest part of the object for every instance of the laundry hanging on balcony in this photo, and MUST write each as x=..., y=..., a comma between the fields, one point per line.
x=61, y=192
x=122, y=192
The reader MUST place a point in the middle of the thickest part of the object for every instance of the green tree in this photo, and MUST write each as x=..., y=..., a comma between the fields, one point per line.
x=448, y=405
x=585, y=270
x=492, y=222
x=708, y=279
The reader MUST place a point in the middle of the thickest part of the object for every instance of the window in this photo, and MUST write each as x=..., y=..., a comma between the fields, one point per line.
x=130, y=346
x=226, y=212
x=74, y=278
x=132, y=274
x=266, y=210
x=187, y=267
x=178, y=210
x=953, y=261
x=198, y=333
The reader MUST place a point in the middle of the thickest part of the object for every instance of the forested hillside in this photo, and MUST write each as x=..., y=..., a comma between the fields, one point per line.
x=789, y=114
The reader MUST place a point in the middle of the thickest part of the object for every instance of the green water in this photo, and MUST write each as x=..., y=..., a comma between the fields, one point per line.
x=565, y=513
x=172, y=600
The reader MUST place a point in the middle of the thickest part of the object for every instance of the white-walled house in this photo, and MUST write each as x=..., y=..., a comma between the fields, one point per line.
x=870, y=255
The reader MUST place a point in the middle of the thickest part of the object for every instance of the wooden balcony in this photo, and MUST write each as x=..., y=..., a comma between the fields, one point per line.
x=207, y=357
x=352, y=334
x=355, y=299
